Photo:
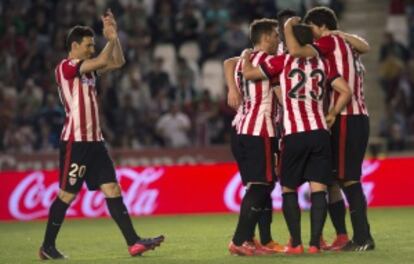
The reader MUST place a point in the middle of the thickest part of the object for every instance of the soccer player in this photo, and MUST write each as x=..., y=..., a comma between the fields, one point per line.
x=282, y=17
x=351, y=130
x=83, y=155
x=306, y=150
x=253, y=143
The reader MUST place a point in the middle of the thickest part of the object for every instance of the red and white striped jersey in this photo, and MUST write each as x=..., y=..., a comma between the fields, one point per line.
x=239, y=112
x=79, y=97
x=256, y=116
x=281, y=48
x=348, y=64
x=303, y=85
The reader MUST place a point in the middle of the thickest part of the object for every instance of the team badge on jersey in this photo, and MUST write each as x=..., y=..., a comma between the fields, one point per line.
x=72, y=180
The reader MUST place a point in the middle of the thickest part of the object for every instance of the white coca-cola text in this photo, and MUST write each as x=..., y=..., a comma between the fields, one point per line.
x=31, y=198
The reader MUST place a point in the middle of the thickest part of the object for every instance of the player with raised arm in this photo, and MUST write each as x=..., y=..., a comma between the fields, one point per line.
x=253, y=144
x=306, y=150
x=350, y=131
x=83, y=155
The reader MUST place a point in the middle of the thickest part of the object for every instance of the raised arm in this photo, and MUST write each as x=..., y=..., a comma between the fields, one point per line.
x=103, y=59
x=233, y=94
x=342, y=87
x=117, y=59
x=293, y=46
x=358, y=43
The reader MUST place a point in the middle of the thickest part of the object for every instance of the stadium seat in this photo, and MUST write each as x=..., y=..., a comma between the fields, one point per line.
x=190, y=51
x=397, y=24
x=212, y=78
x=168, y=53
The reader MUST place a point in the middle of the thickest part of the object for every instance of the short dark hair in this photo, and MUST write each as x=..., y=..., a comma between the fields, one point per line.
x=77, y=33
x=322, y=16
x=303, y=34
x=285, y=13
x=261, y=26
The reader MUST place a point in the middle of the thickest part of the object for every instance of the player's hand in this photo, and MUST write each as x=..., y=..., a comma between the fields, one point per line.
x=109, y=18
x=246, y=53
x=292, y=21
x=338, y=33
x=330, y=119
x=108, y=31
x=233, y=98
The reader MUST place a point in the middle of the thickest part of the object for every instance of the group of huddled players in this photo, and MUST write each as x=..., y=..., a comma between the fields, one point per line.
x=301, y=117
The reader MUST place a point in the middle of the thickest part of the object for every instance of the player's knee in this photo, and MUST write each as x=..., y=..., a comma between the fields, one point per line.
x=349, y=183
x=111, y=190
x=66, y=197
x=287, y=190
x=317, y=187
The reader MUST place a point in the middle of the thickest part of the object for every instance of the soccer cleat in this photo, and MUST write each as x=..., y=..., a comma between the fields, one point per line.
x=294, y=250
x=256, y=242
x=50, y=252
x=259, y=249
x=276, y=247
x=313, y=250
x=245, y=249
x=323, y=245
x=353, y=246
x=145, y=244
x=340, y=241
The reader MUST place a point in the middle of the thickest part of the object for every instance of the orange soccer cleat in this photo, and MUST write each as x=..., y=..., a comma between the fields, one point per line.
x=340, y=241
x=294, y=250
x=276, y=247
x=323, y=245
x=313, y=250
x=244, y=250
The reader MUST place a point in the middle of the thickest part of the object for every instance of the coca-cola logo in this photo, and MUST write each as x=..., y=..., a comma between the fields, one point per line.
x=31, y=198
x=235, y=190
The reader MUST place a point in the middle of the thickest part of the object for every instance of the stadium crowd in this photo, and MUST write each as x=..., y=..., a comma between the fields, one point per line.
x=146, y=104
x=397, y=76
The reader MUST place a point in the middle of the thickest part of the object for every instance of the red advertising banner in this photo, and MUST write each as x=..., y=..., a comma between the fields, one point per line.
x=185, y=189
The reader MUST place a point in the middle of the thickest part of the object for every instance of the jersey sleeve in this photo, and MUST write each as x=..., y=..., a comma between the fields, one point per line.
x=70, y=68
x=272, y=66
x=325, y=45
x=332, y=70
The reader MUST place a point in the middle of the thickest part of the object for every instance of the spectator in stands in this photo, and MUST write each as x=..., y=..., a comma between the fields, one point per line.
x=45, y=140
x=32, y=37
x=211, y=43
x=157, y=78
x=31, y=95
x=128, y=124
x=184, y=93
x=163, y=24
x=391, y=69
x=216, y=12
x=131, y=85
x=393, y=128
x=54, y=116
x=235, y=38
x=173, y=127
x=391, y=47
x=189, y=23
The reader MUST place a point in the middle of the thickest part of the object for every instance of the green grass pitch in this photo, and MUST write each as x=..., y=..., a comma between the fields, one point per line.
x=200, y=239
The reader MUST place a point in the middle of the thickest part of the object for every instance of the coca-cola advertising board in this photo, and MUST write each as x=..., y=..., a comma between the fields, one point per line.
x=185, y=189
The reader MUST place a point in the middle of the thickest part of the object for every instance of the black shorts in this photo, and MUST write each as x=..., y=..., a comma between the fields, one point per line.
x=349, y=141
x=84, y=161
x=255, y=157
x=306, y=156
